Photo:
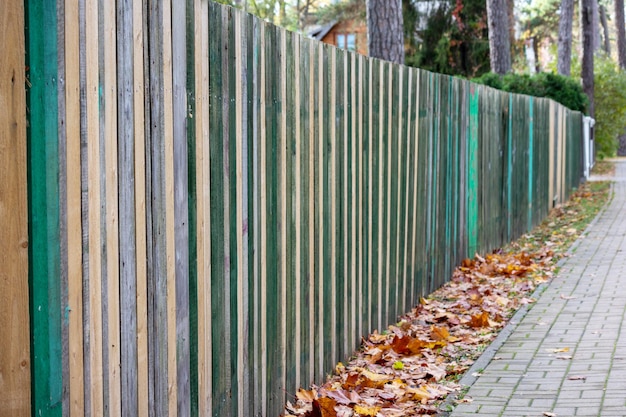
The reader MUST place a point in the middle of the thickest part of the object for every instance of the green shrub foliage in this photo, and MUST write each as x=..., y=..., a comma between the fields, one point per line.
x=564, y=90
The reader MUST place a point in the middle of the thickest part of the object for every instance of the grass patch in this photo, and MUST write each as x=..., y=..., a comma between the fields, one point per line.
x=604, y=168
x=566, y=222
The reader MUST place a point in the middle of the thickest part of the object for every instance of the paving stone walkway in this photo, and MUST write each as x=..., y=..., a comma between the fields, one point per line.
x=567, y=355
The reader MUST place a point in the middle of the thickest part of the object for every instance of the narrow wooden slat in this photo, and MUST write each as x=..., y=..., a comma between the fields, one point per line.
x=332, y=180
x=389, y=218
x=381, y=169
x=14, y=300
x=73, y=216
x=203, y=184
x=140, y=210
x=531, y=132
x=416, y=221
x=319, y=215
x=122, y=278
x=311, y=211
x=179, y=226
x=370, y=201
x=399, y=277
x=243, y=402
x=283, y=215
x=263, y=224
x=297, y=210
x=347, y=337
x=94, y=318
x=407, y=279
x=256, y=371
x=354, y=208
x=358, y=118
x=170, y=210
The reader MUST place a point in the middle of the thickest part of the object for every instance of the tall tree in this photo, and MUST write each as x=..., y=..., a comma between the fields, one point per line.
x=385, y=32
x=605, y=30
x=499, y=42
x=621, y=33
x=564, y=60
x=588, y=42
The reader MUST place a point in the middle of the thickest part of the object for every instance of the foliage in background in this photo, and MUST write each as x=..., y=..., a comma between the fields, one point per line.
x=539, y=22
x=564, y=90
x=343, y=10
x=610, y=104
x=454, y=41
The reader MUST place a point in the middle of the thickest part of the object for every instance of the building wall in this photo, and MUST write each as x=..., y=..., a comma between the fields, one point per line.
x=348, y=27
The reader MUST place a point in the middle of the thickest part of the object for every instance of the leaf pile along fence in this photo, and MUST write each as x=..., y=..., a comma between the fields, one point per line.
x=220, y=209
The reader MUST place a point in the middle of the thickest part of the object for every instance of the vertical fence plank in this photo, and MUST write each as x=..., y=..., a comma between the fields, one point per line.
x=127, y=223
x=93, y=316
x=203, y=208
x=73, y=214
x=43, y=215
x=140, y=208
x=14, y=359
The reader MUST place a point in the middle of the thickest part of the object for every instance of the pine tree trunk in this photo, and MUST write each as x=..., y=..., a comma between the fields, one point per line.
x=385, y=30
x=564, y=62
x=499, y=42
x=588, y=51
x=621, y=33
x=596, y=26
x=605, y=31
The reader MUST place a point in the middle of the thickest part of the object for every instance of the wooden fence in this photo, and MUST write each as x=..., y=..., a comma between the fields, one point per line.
x=220, y=209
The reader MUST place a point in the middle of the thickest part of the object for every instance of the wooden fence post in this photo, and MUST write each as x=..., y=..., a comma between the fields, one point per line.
x=14, y=332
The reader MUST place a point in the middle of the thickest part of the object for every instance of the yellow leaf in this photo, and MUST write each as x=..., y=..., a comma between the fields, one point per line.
x=420, y=394
x=305, y=395
x=370, y=411
x=560, y=350
x=439, y=333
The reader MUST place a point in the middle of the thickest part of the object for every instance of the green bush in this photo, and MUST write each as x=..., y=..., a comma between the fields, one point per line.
x=610, y=105
x=564, y=90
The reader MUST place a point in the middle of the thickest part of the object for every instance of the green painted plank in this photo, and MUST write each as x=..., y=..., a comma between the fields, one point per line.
x=253, y=354
x=231, y=291
x=328, y=290
x=192, y=198
x=43, y=216
x=509, y=170
x=341, y=239
x=292, y=176
x=375, y=103
x=218, y=85
x=530, y=164
x=472, y=175
x=273, y=112
x=306, y=274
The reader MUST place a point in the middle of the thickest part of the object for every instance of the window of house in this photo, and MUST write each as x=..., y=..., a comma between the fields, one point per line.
x=346, y=41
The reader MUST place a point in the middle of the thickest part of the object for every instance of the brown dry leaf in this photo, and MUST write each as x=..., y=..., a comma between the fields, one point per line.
x=366, y=410
x=480, y=320
x=305, y=395
x=565, y=357
x=577, y=378
x=439, y=333
x=323, y=407
x=378, y=338
x=567, y=297
x=436, y=372
x=339, y=396
x=549, y=414
x=374, y=380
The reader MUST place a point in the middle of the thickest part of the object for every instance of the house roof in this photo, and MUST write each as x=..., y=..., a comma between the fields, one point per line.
x=319, y=32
